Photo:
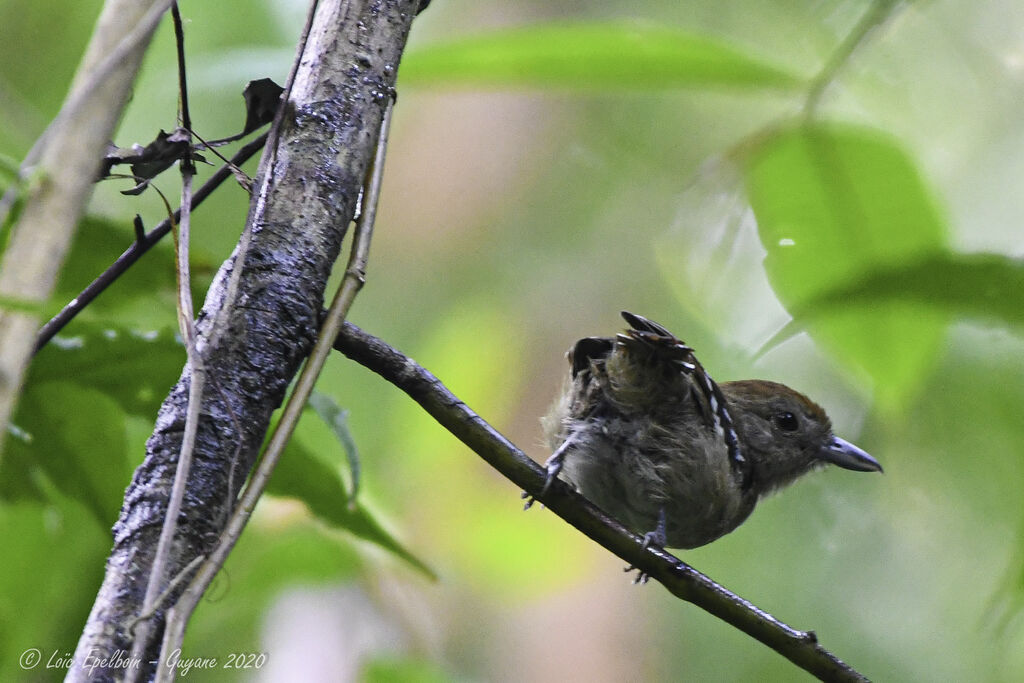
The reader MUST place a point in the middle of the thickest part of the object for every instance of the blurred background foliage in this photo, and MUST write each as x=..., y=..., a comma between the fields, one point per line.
x=552, y=163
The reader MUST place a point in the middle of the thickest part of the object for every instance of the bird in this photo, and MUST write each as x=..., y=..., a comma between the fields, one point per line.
x=643, y=432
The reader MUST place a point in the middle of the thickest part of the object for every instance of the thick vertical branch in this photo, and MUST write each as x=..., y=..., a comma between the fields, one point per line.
x=262, y=311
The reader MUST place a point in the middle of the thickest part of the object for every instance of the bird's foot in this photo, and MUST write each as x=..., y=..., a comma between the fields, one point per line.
x=553, y=466
x=652, y=539
x=641, y=577
x=659, y=537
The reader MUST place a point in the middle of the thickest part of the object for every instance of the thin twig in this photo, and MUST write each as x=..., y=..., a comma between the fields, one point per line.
x=171, y=587
x=196, y=370
x=243, y=180
x=800, y=647
x=138, y=248
x=876, y=15
x=197, y=385
x=355, y=274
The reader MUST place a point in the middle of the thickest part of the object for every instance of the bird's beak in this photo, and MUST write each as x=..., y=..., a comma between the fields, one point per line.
x=846, y=455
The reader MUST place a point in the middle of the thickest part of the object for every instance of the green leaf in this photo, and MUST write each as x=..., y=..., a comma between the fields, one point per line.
x=985, y=286
x=591, y=56
x=833, y=202
x=134, y=368
x=319, y=484
x=337, y=419
x=402, y=670
x=71, y=421
x=54, y=556
x=76, y=439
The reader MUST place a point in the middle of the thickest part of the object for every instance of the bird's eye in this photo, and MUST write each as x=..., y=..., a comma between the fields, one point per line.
x=787, y=422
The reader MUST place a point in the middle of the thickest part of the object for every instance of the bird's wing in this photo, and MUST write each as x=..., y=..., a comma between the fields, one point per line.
x=588, y=349
x=664, y=348
x=638, y=322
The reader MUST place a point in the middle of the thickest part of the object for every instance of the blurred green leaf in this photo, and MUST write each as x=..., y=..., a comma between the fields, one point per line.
x=75, y=437
x=402, y=670
x=337, y=419
x=134, y=368
x=833, y=202
x=309, y=477
x=268, y=560
x=471, y=347
x=9, y=168
x=53, y=563
x=595, y=56
x=987, y=286
x=71, y=427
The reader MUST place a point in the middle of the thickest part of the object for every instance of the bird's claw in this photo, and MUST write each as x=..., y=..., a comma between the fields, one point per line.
x=652, y=539
x=553, y=466
x=530, y=500
x=641, y=578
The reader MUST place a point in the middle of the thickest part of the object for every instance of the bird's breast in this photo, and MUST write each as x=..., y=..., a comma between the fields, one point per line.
x=633, y=470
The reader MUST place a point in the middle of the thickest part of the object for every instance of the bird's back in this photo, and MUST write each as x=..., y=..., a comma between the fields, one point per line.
x=635, y=398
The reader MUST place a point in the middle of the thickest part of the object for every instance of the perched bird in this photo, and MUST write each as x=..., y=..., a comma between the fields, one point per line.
x=643, y=432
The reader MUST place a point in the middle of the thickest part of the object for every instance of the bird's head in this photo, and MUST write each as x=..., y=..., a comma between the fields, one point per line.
x=785, y=434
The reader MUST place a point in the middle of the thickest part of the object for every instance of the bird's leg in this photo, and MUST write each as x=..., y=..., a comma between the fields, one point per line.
x=553, y=465
x=657, y=539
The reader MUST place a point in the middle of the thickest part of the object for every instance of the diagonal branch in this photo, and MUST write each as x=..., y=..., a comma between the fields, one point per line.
x=682, y=580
